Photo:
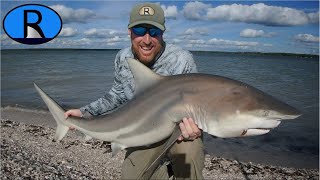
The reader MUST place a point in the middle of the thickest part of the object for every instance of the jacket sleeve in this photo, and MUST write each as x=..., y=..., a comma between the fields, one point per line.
x=183, y=63
x=111, y=100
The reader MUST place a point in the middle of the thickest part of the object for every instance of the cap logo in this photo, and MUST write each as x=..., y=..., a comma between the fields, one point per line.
x=146, y=11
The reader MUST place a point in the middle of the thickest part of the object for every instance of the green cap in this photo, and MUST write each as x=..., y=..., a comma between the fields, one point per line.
x=147, y=13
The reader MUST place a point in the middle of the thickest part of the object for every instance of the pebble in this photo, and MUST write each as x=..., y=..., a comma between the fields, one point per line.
x=27, y=152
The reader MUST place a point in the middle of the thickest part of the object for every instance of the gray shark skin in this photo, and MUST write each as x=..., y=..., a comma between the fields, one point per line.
x=220, y=106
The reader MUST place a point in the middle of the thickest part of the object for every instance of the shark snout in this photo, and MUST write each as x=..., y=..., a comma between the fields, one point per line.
x=260, y=128
x=264, y=121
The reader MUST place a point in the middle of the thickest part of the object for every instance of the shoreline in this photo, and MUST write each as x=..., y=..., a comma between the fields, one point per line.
x=27, y=151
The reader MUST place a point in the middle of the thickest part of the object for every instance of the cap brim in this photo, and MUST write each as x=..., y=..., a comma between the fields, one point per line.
x=147, y=22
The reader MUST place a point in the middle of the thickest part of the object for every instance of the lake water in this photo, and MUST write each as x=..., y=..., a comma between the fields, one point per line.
x=77, y=77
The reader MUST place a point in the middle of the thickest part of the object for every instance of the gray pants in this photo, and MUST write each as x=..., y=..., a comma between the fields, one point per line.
x=187, y=161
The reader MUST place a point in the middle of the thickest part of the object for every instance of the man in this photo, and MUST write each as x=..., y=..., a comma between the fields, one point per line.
x=146, y=28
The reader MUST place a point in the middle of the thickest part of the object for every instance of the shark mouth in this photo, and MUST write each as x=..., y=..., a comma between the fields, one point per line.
x=255, y=132
x=260, y=130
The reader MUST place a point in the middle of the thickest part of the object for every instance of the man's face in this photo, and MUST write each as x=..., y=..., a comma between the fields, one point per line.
x=146, y=46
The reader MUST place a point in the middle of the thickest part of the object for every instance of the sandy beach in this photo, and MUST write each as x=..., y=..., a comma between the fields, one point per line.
x=27, y=152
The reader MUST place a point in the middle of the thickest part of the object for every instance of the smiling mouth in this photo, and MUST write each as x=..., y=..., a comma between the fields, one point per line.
x=146, y=48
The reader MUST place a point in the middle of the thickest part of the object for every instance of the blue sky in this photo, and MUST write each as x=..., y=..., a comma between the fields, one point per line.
x=245, y=26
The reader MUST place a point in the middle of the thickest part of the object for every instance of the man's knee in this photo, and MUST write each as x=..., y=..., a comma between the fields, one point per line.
x=187, y=159
x=192, y=149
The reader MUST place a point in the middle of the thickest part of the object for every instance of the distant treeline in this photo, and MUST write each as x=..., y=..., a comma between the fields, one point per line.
x=313, y=56
x=257, y=54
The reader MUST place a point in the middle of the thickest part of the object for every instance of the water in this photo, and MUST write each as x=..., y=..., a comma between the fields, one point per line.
x=77, y=77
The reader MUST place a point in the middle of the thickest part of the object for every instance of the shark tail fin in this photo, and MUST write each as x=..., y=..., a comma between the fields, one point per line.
x=57, y=112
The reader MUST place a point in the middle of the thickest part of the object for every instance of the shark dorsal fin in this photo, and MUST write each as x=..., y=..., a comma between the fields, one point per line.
x=143, y=76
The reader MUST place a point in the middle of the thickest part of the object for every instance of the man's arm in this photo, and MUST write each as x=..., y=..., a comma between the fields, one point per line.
x=110, y=101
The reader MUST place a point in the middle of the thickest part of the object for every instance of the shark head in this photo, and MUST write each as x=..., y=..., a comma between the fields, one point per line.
x=242, y=110
x=221, y=106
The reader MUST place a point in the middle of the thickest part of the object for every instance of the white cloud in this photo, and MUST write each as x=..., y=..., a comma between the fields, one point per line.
x=215, y=41
x=252, y=33
x=195, y=10
x=170, y=11
x=68, y=32
x=314, y=17
x=176, y=41
x=69, y=15
x=307, y=38
x=198, y=41
x=4, y=37
x=65, y=42
x=117, y=39
x=222, y=44
x=194, y=31
x=5, y=40
x=259, y=14
x=104, y=33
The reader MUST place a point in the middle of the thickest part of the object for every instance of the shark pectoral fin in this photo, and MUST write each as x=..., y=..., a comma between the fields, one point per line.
x=157, y=157
x=60, y=132
x=115, y=147
x=87, y=137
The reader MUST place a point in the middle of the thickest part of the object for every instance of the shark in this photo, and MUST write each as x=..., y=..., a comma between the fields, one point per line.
x=220, y=106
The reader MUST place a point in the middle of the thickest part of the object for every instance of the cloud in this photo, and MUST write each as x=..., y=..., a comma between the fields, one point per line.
x=5, y=40
x=309, y=38
x=117, y=39
x=215, y=41
x=194, y=31
x=4, y=37
x=314, y=17
x=259, y=13
x=170, y=11
x=252, y=33
x=195, y=10
x=104, y=33
x=198, y=41
x=69, y=15
x=66, y=43
x=175, y=41
x=222, y=43
x=68, y=32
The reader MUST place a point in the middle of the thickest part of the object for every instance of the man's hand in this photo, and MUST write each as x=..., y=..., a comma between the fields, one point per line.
x=189, y=130
x=72, y=112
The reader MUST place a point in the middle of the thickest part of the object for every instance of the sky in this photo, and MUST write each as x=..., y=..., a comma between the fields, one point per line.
x=231, y=26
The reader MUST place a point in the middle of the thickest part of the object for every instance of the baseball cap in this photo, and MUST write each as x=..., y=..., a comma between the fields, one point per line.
x=147, y=13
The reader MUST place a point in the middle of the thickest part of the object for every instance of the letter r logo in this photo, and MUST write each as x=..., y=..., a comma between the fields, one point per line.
x=32, y=24
x=35, y=26
x=146, y=11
